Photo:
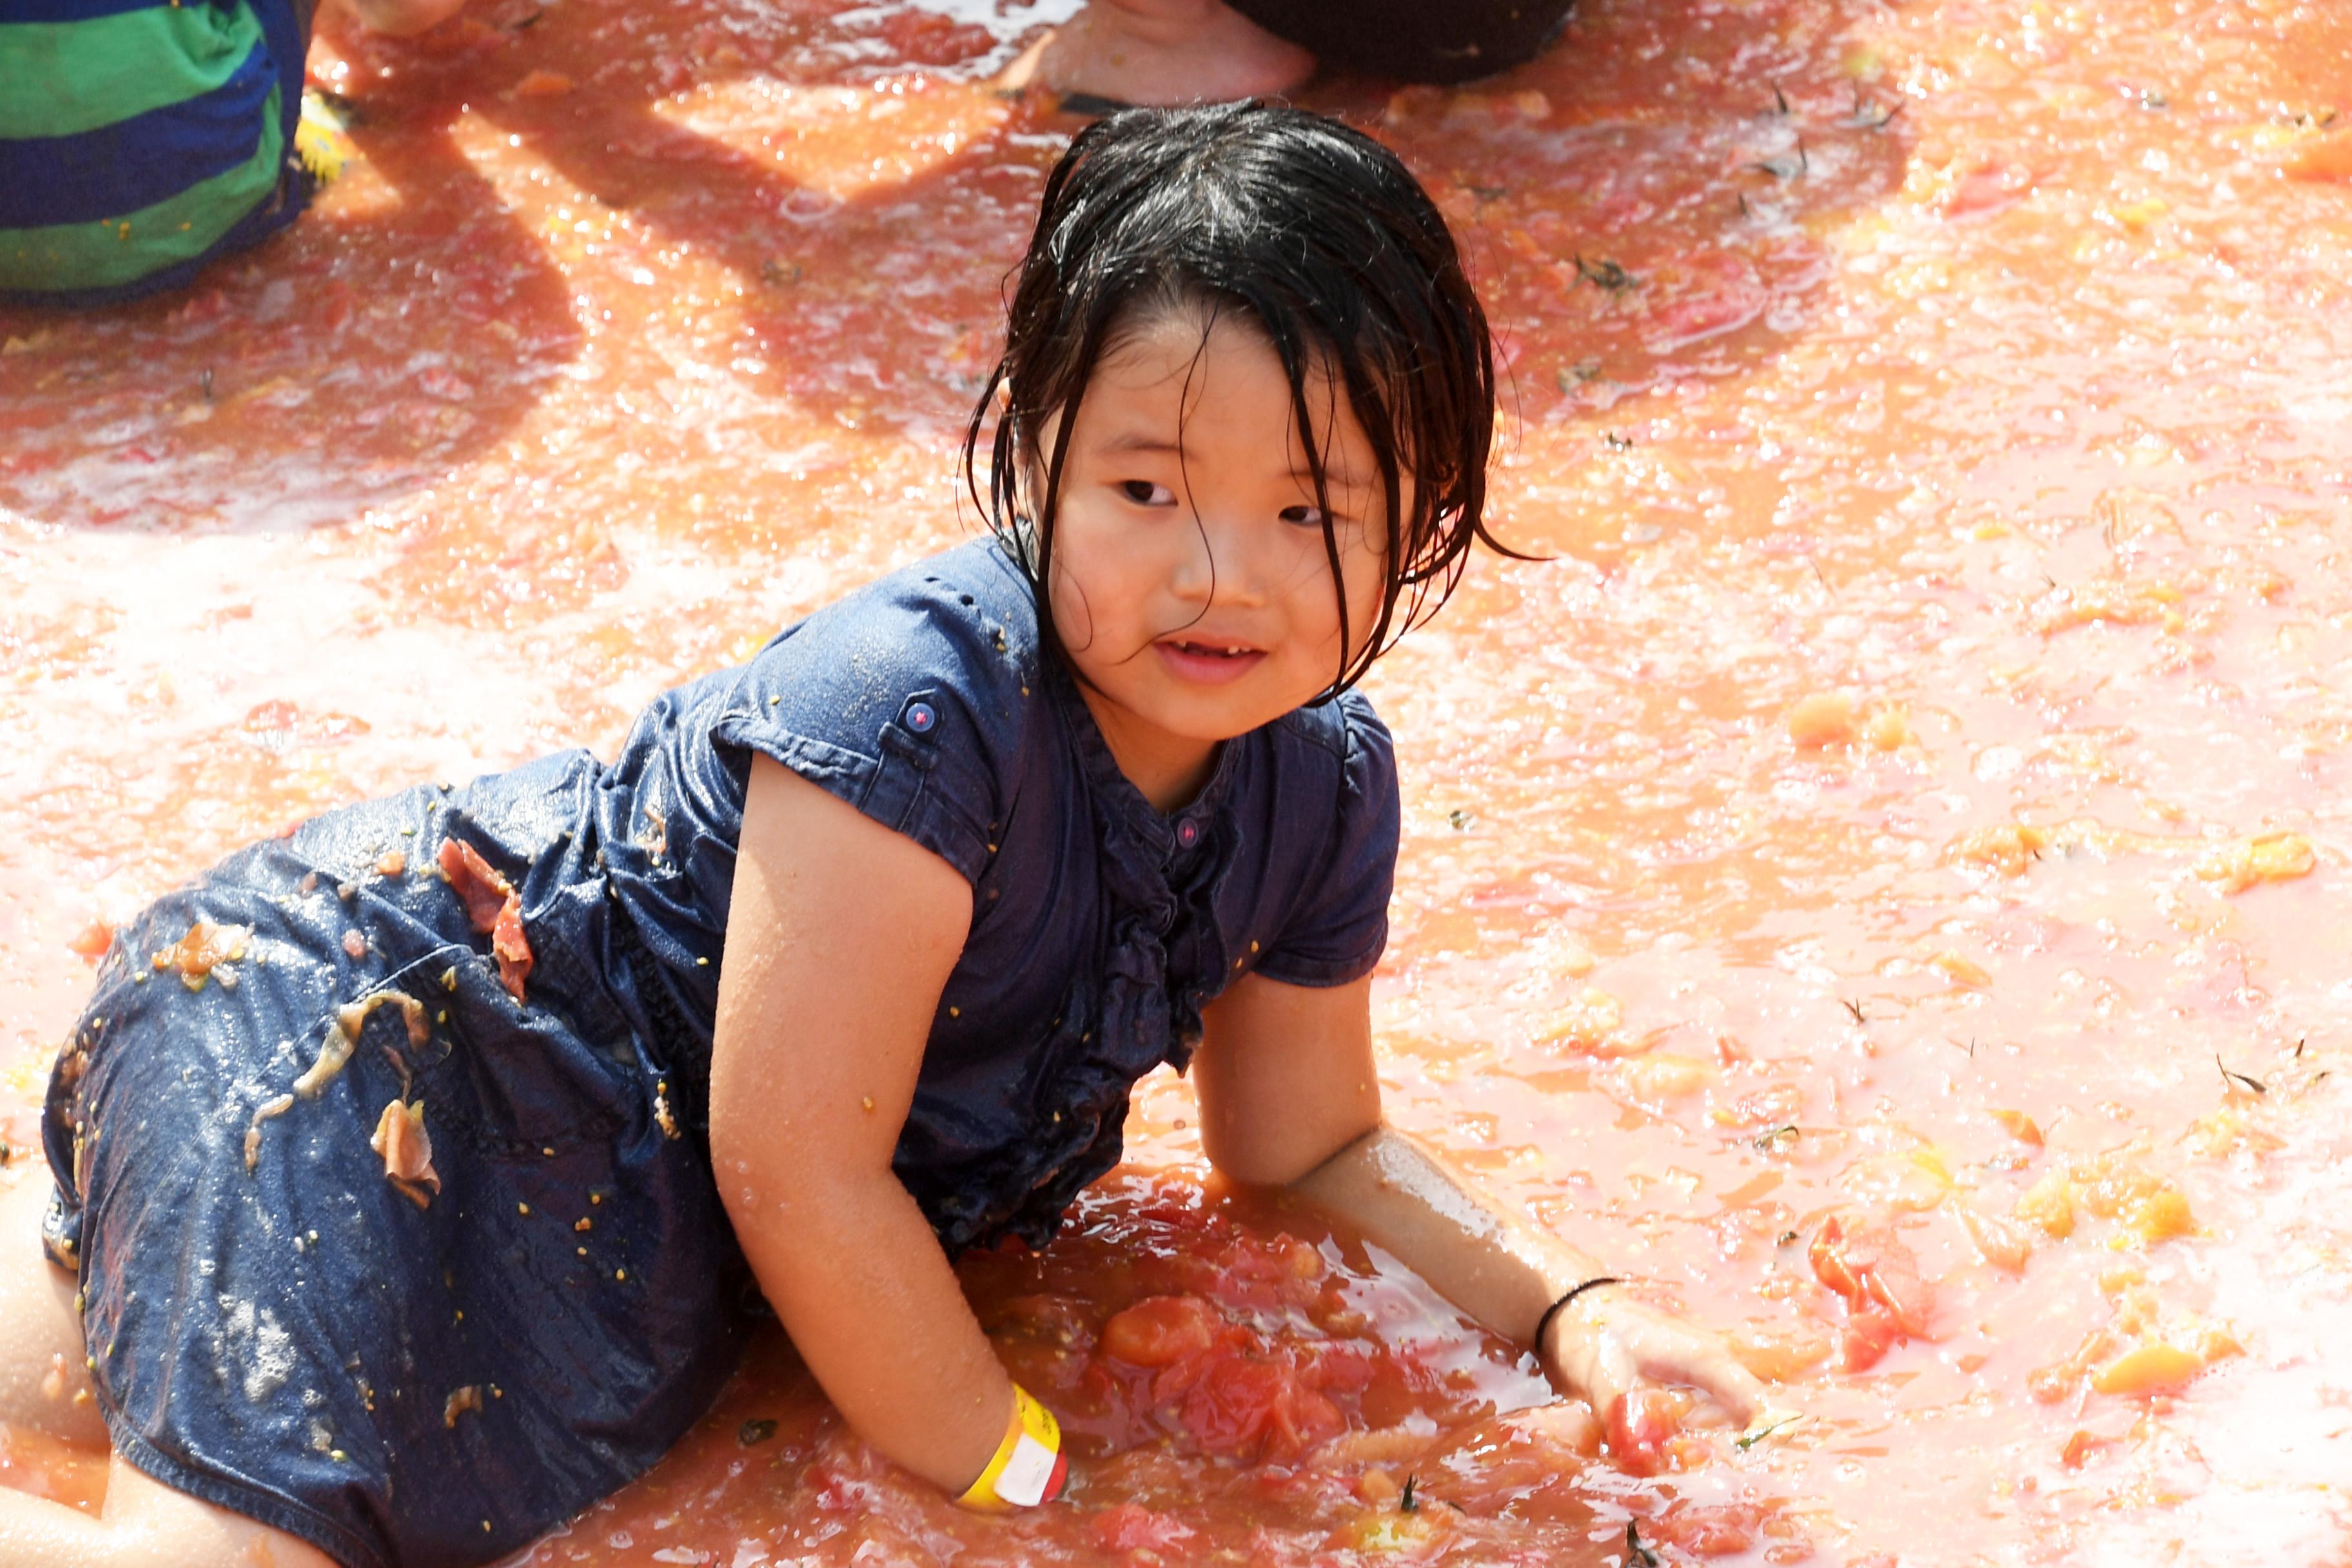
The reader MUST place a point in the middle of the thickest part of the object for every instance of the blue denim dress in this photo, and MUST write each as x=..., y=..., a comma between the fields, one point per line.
x=279, y=1329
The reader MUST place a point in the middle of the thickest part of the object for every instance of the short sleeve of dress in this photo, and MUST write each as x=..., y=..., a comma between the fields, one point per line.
x=1339, y=929
x=906, y=701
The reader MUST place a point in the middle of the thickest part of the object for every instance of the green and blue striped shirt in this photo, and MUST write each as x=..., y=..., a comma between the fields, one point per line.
x=139, y=139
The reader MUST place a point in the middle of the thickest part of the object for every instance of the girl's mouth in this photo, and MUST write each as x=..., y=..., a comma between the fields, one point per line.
x=1208, y=661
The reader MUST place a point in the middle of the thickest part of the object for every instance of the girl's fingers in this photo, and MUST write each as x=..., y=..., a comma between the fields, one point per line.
x=1614, y=1373
x=1674, y=1351
x=1631, y=1343
x=1732, y=1385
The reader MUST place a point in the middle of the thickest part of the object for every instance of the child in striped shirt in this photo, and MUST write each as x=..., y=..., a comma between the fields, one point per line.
x=139, y=139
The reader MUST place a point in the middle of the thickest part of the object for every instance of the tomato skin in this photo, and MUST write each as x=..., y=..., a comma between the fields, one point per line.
x=92, y=941
x=1342, y=1368
x=1302, y=1419
x=1879, y=1279
x=1897, y=1285
x=1641, y=1425
x=1832, y=1264
x=2079, y=1449
x=1161, y=1331
x=1190, y=1365
x=1229, y=1408
x=1869, y=1335
x=1254, y=1407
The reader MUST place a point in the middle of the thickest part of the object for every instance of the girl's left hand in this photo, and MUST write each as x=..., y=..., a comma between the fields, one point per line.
x=1604, y=1345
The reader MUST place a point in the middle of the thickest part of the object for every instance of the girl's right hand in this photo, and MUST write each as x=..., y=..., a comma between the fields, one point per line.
x=840, y=938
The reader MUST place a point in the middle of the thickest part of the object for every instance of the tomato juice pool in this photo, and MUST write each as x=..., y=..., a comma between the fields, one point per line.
x=1878, y=876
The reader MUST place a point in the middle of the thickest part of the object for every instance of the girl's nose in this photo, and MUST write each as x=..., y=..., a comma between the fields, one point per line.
x=1222, y=567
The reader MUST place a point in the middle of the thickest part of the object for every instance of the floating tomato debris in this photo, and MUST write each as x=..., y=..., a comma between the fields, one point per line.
x=1878, y=1277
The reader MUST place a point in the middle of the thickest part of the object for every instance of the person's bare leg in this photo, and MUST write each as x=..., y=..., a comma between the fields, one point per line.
x=44, y=1387
x=42, y=1384
x=146, y=1524
x=1162, y=52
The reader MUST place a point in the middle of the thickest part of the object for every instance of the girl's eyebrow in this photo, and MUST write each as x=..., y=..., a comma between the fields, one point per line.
x=1338, y=477
x=1142, y=441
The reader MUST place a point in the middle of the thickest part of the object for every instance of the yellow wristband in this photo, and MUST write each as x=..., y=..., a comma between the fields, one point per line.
x=1028, y=1468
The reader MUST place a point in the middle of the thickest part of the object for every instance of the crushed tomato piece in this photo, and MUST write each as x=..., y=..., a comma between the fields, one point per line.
x=2007, y=848
x=1886, y=1301
x=1593, y=1023
x=492, y=907
x=1201, y=1367
x=204, y=948
x=2113, y=1185
x=2079, y=1449
x=1161, y=1331
x=1821, y=722
x=353, y=1016
x=268, y=1109
x=1642, y=1429
x=93, y=941
x=2266, y=857
x=2004, y=1243
x=407, y=1150
x=2055, y=1381
x=1962, y=970
x=460, y=1401
x=2149, y=1369
x=2018, y=1125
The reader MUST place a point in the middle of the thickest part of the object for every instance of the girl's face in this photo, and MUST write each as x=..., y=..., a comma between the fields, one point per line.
x=1191, y=586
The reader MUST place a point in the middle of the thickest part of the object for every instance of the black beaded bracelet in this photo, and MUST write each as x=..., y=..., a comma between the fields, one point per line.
x=1553, y=1310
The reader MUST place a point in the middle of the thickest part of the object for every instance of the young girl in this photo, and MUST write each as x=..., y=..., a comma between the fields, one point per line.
x=421, y=1173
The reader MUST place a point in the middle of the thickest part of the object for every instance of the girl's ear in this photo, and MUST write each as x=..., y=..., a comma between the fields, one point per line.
x=1004, y=398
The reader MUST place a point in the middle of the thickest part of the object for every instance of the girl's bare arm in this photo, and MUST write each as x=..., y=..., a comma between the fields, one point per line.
x=1288, y=1095
x=841, y=937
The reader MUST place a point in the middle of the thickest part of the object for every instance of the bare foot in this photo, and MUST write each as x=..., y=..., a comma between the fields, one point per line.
x=1161, y=52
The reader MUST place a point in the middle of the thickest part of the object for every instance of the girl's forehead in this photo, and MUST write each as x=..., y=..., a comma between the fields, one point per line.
x=1174, y=345
x=1219, y=375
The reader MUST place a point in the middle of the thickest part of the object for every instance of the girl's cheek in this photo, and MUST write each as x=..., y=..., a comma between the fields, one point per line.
x=1367, y=576
x=1071, y=622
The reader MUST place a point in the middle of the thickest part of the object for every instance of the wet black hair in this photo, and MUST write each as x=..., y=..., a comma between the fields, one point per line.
x=1325, y=242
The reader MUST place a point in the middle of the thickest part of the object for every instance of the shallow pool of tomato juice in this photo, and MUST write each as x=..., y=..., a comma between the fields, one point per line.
x=1877, y=880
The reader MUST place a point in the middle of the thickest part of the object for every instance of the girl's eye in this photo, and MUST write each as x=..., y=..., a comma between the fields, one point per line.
x=1304, y=516
x=1143, y=492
